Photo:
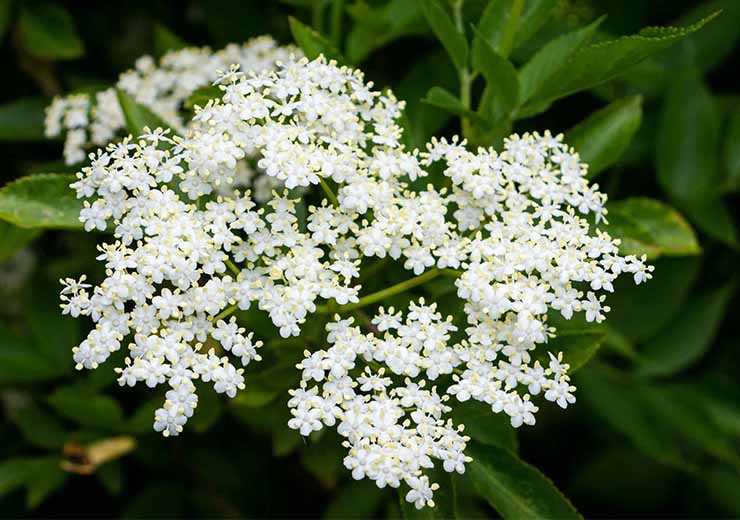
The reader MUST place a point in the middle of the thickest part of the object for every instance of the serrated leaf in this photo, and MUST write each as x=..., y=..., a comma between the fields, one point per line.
x=603, y=61
x=47, y=31
x=506, y=24
x=603, y=137
x=312, y=42
x=648, y=226
x=23, y=120
x=41, y=201
x=687, y=337
x=87, y=408
x=444, y=29
x=138, y=116
x=513, y=487
x=501, y=94
x=13, y=239
x=550, y=58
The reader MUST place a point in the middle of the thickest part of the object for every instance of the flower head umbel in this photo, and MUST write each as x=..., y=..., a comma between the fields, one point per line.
x=190, y=249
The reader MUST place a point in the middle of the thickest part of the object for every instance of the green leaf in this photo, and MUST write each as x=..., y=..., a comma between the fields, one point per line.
x=688, y=141
x=39, y=427
x=444, y=498
x=513, y=487
x=20, y=362
x=501, y=94
x=23, y=119
x=648, y=226
x=441, y=98
x=444, y=29
x=712, y=216
x=661, y=298
x=47, y=477
x=604, y=61
x=41, y=201
x=376, y=26
x=550, y=58
x=602, y=137
x=5, y=13
x=426, y=120
x=577, y=345
x=138, y=116
x=485, y=426
x=356, y=499
x=620, y=402
x=687, y=337
x=13, y=239
x=731, y=152
x=14, y=473
x=110, y=475
x=202, y=96
x=87, y=408
x=722, y=485
x=312, y=43
x=209, y=411
x=506, y=24
x=165, y=40
x=47, y=31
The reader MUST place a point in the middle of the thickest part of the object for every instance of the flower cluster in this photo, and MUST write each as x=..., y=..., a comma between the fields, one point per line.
x=515, y=228
x=393, y=422
x=162, y=87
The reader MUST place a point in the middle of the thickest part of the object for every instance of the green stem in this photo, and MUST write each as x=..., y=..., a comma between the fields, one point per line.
x=329, y=192
x=465, y=76
x=337, y=9
x=388, y=291
x=228, y=311
x=232, y=267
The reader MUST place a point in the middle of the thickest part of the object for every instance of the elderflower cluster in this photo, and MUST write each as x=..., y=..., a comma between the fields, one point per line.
x=517, y=229
x=160, y=86
x=394, y=424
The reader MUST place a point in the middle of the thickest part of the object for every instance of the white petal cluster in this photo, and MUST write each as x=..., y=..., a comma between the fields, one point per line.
x=373, y=389
x=95, y=120
x=517, y=228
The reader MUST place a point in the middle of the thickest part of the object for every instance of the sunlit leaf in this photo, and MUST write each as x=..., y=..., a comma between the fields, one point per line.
x=312, y=43
x=41, y=201
x=444, y=28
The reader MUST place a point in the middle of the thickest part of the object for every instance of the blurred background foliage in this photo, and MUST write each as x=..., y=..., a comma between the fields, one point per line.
x=656, y=429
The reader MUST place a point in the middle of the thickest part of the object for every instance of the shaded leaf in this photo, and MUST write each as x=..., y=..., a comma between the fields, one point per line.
x=20, y=362
x=202, y=96
x=41, y=201
x=485, y=426
x=356, y=499
x=551, y=57
x=376, y=26
x=312, y=43
x=23, y=119
x=165, y=40
x=501, y=94
x=444, y=28
x=519, y=18
x=602, y=137
x=603, y=61
x=39, y=427
x=87, y=408
x=47, y=477
x=444, y=498
x=13, y=239
x=648, y=226
x=47, y=30
x=731, y=151
x=441, y=98
x=513, y=487
x=138, y=116
x=688, y=337
x=577, y=345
